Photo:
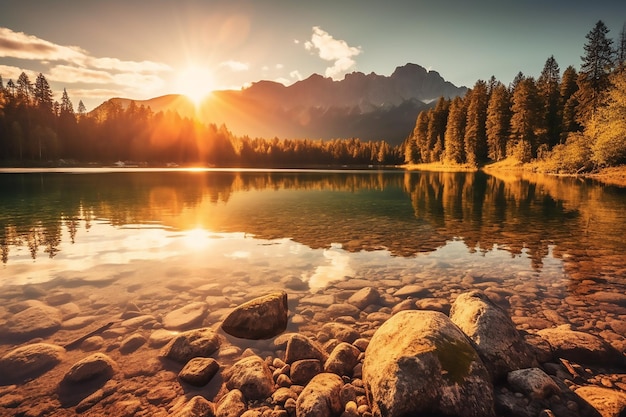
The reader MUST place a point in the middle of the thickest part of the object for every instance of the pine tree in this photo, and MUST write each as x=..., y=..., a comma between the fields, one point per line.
x=498, y=122
x=81, y=108
x=437, y=120
x=524, y=119
x=66, y=104
x=621, y=49
x=417, y=140
x=475, y=130
x=42, y=94
x=24, y=88
x=568, y=102
x=593, y=78
x=548, y=85
x=455, y=132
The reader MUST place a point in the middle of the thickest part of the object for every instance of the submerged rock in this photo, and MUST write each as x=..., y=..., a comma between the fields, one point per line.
x=198, y=406
x=190, y=344
x=34, y=321
x=92, y=367
x=185, y=317
x=498, y=342
x=199, y=371
x=261, y=318
x=300, y=347
x=29, y=361
x=420, y=362
x=580, y=347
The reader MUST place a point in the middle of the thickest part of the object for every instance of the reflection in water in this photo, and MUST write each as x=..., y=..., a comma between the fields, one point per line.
x=406, y=213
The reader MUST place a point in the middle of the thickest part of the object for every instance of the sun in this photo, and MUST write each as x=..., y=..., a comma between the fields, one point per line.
x=195, y=82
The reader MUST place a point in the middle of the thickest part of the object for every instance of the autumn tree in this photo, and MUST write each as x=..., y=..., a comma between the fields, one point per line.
x=455, y=132
x=475, y=140
x=437, y=119
x=498, y=122
x=568, y=102
x=524, y=120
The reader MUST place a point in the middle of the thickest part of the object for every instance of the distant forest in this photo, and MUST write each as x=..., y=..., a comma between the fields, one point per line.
x=572, y=122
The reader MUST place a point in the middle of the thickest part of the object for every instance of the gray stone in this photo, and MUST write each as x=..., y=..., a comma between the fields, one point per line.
x=320, y=397
x=420, y=362
x=252, y=376
x=92, y=367
x=533, y=382
x=261, y=318
x=190, y=344
x=498, y=342
x=199, y=371
x=342, y=359
x=30, y=361
x=185, y=317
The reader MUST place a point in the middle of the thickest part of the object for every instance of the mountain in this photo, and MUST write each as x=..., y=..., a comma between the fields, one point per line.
x=367, y=106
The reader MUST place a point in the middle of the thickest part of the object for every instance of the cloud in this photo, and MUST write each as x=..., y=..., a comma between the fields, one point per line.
x=22, y=46
x=331, y=49
x=235, y=66
x=296, y=74
x=12, y=73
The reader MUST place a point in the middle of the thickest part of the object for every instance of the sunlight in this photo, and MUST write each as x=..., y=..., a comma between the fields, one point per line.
x=195, y=82
x=197, y=239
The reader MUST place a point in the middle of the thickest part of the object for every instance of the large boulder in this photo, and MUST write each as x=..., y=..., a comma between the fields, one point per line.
x=193, y=343
x=261, y=318
x=497, y=341
x=252, y=377
x=580, y=347
x=29, y=361
x=320, y=397
x=419, y=362
x=94, y=366
x=608, y=402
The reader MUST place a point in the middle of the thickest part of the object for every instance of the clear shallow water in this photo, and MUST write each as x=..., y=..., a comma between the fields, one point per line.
x=118, y=236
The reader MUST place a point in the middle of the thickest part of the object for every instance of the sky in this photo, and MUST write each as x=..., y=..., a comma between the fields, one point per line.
x=141, y=49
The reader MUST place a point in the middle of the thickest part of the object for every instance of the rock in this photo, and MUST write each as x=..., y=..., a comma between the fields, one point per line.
x=320, y=397
x=252, y=376
x=261, y=318
x=185, y=317
x=231, y=405
x=533, y=382
x=160, y=337
x=132, y=343
x=304, y=370
x=341, y=332
x=343, y=309
x=92, y=343
x=301, y=347
x=497, y=340
x=34, y=321
x=342, y=359
x=618, y=298
x=608, y=402
x=198, y=406
x=364, y=297
x=412, y=291
x=199, y=371
x=419, y=362
x=190, y=344
x=281, y=395
x=29, y=361
x=580, y=347
x=78, y=322
x=92, y=367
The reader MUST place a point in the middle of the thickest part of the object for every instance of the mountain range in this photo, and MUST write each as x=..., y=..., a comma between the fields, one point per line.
x=367, y=106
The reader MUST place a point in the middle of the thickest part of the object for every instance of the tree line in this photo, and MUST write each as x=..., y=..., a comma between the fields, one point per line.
x=571, y=122
x=36, y=129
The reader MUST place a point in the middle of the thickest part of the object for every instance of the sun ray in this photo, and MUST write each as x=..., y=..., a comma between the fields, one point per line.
x=196, y=82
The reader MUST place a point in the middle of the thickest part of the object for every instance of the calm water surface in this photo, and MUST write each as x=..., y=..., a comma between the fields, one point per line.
x=109, y=238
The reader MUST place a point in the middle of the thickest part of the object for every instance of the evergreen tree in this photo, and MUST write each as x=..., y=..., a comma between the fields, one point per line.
x=548, y=85
x=42, y=94
x=621, y=49
x=81, y=108
x=66, y=104
x=498, y=122
x=437, y=120
x=568, y=102
x=518, y=78
x=593, y=78
x=24, y=88
x=524, y=119
x=455, y=132
x=419, y=136
x=475, y=129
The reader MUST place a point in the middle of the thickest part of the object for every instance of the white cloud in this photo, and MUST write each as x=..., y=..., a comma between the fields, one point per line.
x=236, y=66
x=22, y=46
x=296, y=74
x=279, y=66
x=331, y=49
x=12, y=73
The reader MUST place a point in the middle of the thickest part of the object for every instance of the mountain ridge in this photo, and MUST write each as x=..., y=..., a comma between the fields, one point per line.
x=367, y=106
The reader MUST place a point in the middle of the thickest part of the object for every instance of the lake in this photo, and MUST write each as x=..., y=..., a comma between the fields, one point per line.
x=91, y=243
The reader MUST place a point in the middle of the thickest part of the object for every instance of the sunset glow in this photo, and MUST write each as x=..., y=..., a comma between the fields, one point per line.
x=195, y=82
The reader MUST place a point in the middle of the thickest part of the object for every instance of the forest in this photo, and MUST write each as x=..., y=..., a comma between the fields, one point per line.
x=574, y=122
x=570, y=123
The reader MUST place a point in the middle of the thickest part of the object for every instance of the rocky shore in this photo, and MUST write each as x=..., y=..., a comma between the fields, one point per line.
x=352, y=351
